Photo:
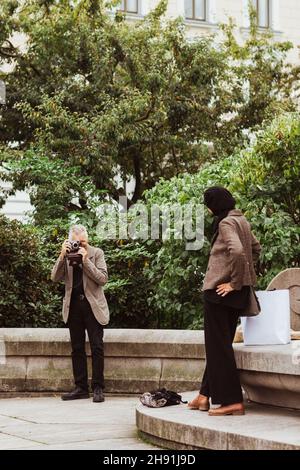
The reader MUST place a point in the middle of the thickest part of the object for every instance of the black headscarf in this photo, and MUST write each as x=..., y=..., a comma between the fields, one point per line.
x=220, y=201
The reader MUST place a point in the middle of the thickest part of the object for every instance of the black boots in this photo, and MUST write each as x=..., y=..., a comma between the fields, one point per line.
x=76, y=394
x=98, y=395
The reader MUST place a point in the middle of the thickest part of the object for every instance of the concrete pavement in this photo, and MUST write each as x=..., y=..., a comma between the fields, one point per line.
x=50, y=423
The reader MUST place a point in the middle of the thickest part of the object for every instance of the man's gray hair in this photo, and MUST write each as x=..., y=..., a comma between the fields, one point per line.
x=78, y=229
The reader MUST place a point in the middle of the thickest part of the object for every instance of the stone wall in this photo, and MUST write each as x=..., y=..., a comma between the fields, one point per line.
x=38, y=360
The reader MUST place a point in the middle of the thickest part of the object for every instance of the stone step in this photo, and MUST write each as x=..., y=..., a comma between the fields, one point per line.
x=261, y=428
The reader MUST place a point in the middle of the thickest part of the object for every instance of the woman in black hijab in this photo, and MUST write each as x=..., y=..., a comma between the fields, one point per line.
x=219, y=202
x=229, y=274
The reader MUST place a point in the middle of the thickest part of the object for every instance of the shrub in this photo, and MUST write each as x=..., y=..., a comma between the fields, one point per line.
x=27, y=299
x=265, y=181
x=154, y=284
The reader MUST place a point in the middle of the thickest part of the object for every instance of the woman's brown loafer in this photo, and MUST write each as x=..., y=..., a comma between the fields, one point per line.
x=200, y=402
x=234, y=409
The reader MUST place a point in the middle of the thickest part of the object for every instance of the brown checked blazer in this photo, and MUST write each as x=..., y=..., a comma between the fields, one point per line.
x=233, y=254
x=94, y=278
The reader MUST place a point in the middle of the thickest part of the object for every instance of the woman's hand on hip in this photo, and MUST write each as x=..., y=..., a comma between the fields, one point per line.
x=224, y=289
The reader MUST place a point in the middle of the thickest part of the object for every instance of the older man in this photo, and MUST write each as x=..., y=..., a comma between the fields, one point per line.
x=84, y=308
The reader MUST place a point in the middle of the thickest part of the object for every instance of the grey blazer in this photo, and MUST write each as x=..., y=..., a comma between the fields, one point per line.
x=94, y=278
x=233, y=254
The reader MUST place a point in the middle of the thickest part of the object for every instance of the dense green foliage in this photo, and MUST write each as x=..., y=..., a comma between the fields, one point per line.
x=265, y=181
x=94, y=94
x=155, y=284
x=90, y=98
x=27, y=297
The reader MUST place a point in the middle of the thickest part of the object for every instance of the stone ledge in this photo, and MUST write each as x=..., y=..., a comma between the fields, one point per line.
x=270, y=374
x=262, y=428
x=39, y=360
x=279, y=358
x=130, y=342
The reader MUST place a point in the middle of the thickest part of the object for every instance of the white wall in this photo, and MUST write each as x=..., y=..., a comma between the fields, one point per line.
x=286, y=19
x=16, y=206
x=289, y=17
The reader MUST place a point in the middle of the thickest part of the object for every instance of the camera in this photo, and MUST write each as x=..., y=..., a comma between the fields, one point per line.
x=75, y=245
x=72, y=255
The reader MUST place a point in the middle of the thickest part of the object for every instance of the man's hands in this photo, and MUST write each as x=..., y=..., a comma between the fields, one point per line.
x=82, y=251
x=224, y=289
x=65, y=247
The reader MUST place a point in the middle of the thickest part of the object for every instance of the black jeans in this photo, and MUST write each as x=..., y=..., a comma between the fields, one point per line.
x=220, y=379
x=81, y=318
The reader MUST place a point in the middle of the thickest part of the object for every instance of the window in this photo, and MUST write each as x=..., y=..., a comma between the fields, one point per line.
x=2, y=92
x=129, y=6
x=195, y=9
x=263, y=9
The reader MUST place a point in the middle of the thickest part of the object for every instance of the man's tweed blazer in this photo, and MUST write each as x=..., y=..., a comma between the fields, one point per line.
x=94, y=278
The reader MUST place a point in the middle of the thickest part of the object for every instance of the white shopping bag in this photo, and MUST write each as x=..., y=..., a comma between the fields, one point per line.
x=272, y=325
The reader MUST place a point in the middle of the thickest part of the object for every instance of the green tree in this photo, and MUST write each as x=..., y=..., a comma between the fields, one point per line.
x=154, y=284
x=96, y=93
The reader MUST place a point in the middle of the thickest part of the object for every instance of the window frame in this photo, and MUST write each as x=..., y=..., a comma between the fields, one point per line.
x=269, y=14
x=130, y=12
x=193, y=18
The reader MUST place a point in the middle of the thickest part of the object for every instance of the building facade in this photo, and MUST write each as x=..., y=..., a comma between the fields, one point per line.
x=203, y=16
